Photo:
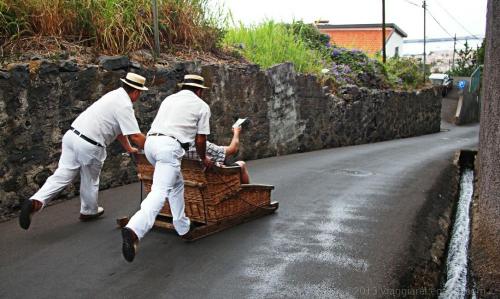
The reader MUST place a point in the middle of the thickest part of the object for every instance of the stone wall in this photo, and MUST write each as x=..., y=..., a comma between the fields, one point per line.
x=289, y=113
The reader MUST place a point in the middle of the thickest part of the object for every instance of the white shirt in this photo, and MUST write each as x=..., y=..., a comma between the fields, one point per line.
x=182, y=115
x=111, y=115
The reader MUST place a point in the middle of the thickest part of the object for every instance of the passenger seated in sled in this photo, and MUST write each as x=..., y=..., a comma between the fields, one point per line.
x=219, y=154
x=215, y=198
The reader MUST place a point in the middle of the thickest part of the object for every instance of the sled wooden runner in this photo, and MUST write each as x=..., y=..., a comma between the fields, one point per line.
x=214, y=199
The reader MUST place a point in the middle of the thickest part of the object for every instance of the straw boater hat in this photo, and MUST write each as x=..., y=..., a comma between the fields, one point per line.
x=193, y=80
x=135, y=81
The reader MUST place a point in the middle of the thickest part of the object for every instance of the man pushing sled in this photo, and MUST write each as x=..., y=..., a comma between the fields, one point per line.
x=183, y=118
x=84, y=148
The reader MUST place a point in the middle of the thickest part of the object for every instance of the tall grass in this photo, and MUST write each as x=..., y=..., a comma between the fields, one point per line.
x=191, y=23
x=114, y=26
x=270, y=43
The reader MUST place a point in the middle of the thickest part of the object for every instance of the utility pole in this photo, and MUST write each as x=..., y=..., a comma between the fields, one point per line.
x=425, y=7
x=383, y=32
x=155, y=29
x=454, y=45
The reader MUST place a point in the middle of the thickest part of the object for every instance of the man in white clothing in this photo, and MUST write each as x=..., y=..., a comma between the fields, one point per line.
x=183, y=118
x=84, y=148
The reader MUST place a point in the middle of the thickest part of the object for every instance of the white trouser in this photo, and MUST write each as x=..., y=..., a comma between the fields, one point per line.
x=77, y=155
x=165, y=154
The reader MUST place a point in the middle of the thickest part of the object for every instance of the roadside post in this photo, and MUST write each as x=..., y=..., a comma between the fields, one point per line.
x=156, y=30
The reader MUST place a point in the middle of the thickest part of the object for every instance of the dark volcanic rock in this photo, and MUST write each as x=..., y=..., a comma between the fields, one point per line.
x=288, y=113
x=134, y=65
x=47, y=67
x=112, y=63
x=68, y=66
x=4, y=75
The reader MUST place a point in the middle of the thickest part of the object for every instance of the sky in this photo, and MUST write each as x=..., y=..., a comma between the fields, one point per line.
x=460, y=17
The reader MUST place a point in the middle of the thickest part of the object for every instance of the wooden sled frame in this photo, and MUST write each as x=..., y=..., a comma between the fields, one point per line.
x=215, y=199
x=203, y=230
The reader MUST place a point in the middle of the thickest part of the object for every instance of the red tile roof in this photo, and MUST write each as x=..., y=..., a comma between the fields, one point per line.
x=368, y=40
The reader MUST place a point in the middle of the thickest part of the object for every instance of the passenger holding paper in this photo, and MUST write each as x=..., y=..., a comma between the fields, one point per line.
x=219, y=154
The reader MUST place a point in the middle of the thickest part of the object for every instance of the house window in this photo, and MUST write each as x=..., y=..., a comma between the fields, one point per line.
x=396, y=52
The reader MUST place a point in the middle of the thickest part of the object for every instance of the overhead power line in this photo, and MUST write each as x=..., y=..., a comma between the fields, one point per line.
x=413, y=3
x=454, y=19
x=439, y=39
x=438, y=22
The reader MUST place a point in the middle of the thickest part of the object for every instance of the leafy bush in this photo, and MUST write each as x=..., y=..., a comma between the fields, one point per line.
x=468, y=60
x=310, y=35
x=355, y=67
x=271, y=43
x=405, y=72
x=113, y=26
x=481, y=51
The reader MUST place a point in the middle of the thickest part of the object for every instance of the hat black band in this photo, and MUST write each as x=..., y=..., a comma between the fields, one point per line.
x=134, y=83
x=196, y=81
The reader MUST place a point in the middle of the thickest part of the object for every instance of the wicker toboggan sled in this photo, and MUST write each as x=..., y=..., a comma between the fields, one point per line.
x=215, y=199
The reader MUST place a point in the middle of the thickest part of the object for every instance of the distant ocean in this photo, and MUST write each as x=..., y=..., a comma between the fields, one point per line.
x=418, y=48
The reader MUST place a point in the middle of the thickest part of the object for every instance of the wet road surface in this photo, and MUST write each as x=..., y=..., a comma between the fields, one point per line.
x=342, y=231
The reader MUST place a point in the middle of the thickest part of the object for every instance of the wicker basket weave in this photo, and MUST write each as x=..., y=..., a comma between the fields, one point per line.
x=212, y=195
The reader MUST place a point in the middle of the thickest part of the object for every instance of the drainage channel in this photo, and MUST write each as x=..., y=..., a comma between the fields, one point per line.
x=456, y=284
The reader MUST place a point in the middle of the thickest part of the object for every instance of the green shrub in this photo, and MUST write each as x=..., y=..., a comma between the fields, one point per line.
x=355, y=67
x=468, y=60
x=271, y=43
x=310, y=35
x=404, y=72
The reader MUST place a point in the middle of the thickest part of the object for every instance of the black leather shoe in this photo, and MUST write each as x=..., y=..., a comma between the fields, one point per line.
x=28, y=207
x=129, y=245
x=100, y=211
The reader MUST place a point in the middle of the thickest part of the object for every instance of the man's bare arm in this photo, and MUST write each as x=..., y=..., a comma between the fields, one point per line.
x=126, y=144
x=233, y=147
x=138, y=139
x=201, y=146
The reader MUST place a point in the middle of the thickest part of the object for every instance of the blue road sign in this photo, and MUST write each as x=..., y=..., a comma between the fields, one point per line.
x=461, y=84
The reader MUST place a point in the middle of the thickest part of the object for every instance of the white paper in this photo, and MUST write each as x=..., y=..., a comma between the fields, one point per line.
x=238, y=123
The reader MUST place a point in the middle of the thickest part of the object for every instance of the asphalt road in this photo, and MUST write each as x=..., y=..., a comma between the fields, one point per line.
x=342, y=231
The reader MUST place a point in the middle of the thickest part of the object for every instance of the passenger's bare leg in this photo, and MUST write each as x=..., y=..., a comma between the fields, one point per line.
x=245, y=177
